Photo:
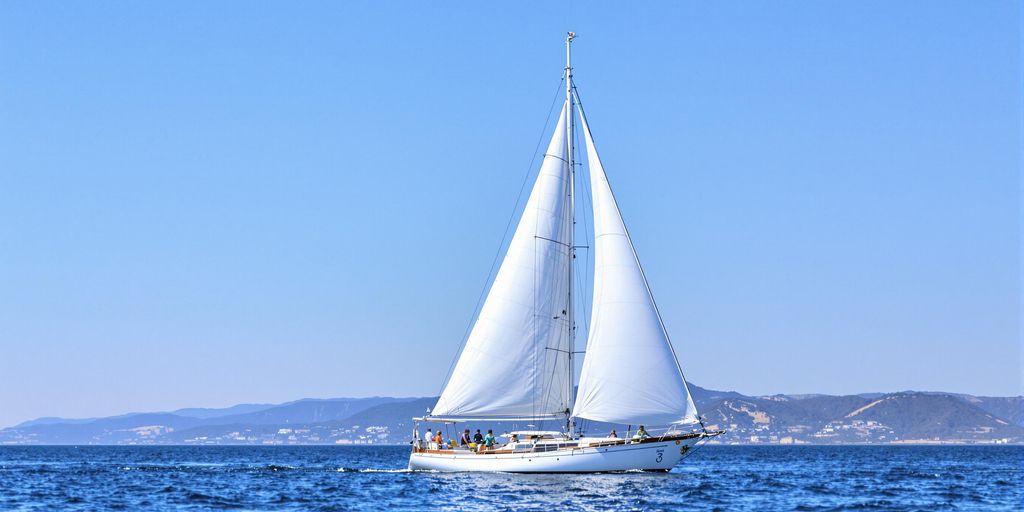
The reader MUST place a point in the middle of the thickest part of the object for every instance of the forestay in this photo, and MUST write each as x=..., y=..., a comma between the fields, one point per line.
x=630, y=372
x=515, y=361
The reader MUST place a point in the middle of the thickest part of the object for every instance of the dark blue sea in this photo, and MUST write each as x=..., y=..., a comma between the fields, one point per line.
x=927, y=478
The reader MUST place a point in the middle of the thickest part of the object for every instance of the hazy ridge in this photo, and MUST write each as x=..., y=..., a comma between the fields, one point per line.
x=902, y=417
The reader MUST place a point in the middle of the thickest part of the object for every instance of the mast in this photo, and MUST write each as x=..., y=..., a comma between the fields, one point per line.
x=569, y=422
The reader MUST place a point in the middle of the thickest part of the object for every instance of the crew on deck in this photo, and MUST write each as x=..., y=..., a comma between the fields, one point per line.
x=487, y=441
x=641, y=434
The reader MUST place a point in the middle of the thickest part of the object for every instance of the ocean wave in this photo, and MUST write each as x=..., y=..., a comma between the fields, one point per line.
x=820, y=479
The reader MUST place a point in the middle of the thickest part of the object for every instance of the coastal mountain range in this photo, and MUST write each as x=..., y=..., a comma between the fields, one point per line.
x=870, y=418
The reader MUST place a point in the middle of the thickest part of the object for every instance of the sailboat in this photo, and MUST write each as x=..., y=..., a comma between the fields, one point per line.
x=517, y=363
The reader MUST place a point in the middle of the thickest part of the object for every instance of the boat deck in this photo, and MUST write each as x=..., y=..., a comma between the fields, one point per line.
x=550, y=446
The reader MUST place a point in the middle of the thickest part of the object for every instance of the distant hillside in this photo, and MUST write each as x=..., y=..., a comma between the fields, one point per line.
x=1008, y=408
x=894, y=417
x=168, y=427
x=820, y=419
x=305, y=411
x=929, y=416
x=206, y=412
x=114, y=430
x=703, y=396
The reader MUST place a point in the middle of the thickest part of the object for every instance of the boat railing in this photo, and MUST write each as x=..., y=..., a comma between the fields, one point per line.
x=510, y=447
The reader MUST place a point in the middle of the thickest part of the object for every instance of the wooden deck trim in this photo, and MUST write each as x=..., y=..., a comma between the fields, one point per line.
x=616, y=442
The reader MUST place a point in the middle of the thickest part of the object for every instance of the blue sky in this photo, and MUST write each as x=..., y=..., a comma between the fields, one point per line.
x=208, y=204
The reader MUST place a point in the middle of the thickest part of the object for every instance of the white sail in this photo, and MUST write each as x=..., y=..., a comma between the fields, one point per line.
x=515, y=361
x=630, y=372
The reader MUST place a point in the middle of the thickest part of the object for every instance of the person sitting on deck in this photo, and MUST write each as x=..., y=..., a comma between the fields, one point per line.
x=489, y=439
x=613, y=434
x=478, y=438
x=641, y=434
x=464, y=440
x=514, y=438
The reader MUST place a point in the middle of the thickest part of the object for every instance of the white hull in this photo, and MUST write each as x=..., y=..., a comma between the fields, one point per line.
x=647, y=456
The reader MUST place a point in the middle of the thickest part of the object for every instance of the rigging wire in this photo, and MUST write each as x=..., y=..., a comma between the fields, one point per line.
x=504, y=237
x=582, y=282
x=587, y=213
x=567, y=202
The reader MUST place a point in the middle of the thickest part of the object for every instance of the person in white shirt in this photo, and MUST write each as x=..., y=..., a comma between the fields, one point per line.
x=428, y=437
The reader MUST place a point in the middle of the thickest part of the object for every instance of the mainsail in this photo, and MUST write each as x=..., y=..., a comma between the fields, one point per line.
x=630, y=372
x=515, y=362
